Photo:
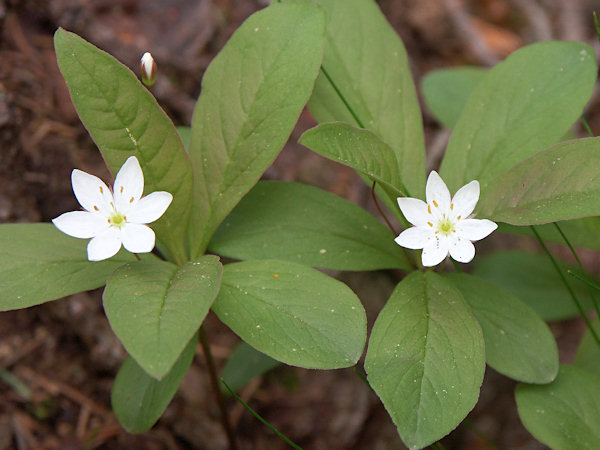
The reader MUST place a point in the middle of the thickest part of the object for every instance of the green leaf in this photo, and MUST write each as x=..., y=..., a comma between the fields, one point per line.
x=564, y=414
x=365, y=62
x=252, y=95
x=138, y=399
x=558, y=183
x=155, y=308
x=293, y=313
x=588, y=353
x=426, y=358
x=532, y=278
x=124, y=120
x=357, y=148
x=446, y=91
x=299, y=223
x=244, y=364
x=518, y=343
x=38, y=263
x=521, y=106
x=583, y=232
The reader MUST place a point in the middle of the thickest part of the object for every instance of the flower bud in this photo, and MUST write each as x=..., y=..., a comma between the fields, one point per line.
x=149, y=68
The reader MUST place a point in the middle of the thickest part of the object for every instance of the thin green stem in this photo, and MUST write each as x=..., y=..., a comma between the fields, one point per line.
x=597, y=25
x=574, y=253
x=255, y=414
x=567, y=285
x=342, y=98
x=456, y=265
x=587, y=127
x=438, y=445
x=469, y=424
x=583, y=280
x=212, y=370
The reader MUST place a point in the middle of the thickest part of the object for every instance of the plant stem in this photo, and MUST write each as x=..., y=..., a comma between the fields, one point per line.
x=379, y=208
x=342, y=98
x=564, y=236
x=255, y=414
x=587, y=127
x=214, y=379
x=567, y=285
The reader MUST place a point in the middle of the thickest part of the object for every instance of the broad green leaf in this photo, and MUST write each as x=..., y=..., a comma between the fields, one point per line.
x=138, y=399
x=588, y=353
x=521, y=106
x=426, y=358
x=293, y=313
x=446, y=91
x=564, y=414
x=156, y=307
x=583, y=232
x=252, y=95
x=244, y=364
x=38, y=263
x=558, y=183
x=518, y=343
x=366, y=81
x=357, y=148
x=532, y=278
x=124, y=120
x=299, y=223
x=185, y=133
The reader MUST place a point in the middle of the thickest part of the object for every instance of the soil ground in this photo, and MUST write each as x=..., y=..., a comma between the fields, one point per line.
x=58, y=360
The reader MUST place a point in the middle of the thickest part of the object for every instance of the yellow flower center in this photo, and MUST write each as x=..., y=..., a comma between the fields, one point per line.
x=445, y=226
x=117, y=220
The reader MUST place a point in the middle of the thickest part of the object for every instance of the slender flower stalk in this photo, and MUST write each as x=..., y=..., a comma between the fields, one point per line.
x=115, y=218
x=443, y=225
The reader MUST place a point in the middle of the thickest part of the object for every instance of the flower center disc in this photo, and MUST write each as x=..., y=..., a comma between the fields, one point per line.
x=445, y=226
x=117, y=220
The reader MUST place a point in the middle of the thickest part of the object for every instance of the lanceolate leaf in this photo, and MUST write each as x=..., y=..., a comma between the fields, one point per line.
x=156, y=307
x=124, y=120
x=299, y=223
x=293, y=313
x=365, y=63
x=426, y=358
x=583, y=232
x=447, y=90
x=252, y=95
x=243, y=365
x=564, y=414
x=521, y=106
x=588, y=353
x=559, y=183
x=358, y=148
x=38, y=263
x=138, y=399
x=518, y=343
x=532, y=278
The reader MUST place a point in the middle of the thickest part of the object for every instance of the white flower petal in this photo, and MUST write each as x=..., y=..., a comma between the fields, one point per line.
x=462, y=250
x=475, y=229
x=415, y=237
x=81, y=224
x=104, y=245
x=137, y=238
x=435, y=253
x=129, y=185
x=150, y=208
x=465, y=199
x=414, y=210
x=436, y=191
x=91, y=192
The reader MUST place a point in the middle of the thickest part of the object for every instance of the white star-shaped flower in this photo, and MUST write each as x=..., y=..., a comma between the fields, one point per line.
x=442, y=225
x=112, y=219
